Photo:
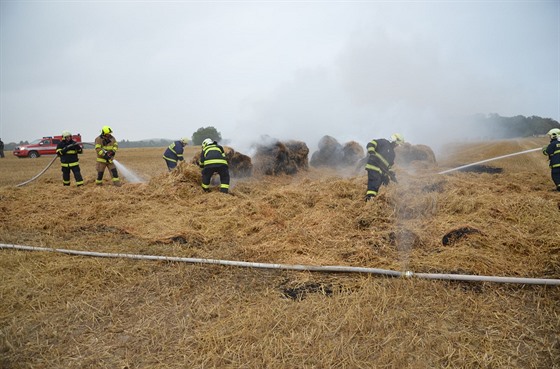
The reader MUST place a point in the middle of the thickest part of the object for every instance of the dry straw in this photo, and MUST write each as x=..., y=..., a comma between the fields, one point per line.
x=60, y=311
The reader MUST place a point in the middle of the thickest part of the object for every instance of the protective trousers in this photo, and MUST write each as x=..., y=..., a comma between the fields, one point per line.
x=100, y=167
x=375, y=179
x=223, y=172
x=555, y=174
x=77, y=175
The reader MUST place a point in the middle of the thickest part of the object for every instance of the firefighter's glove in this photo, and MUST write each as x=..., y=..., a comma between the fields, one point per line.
x=384, y=179
x=393, y=176
x=200, y=164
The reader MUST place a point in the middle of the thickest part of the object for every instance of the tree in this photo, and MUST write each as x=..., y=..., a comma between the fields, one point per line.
x=206, y=132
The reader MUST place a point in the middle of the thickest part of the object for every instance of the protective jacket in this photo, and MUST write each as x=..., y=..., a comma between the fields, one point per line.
x=553, y=152
x=68, y=153
x=174, y=152
x=105, y=144
x=212, y=155
x=381, y=155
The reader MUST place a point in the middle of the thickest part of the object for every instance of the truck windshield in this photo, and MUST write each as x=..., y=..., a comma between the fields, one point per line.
x=35, y=142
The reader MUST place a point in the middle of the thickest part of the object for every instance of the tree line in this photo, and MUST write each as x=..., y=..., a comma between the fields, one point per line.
x=493, y=126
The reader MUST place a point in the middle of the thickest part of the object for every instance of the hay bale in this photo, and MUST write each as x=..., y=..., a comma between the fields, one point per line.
x=407, y=154
x=329, y=154
x=298, y=152
x=352, y=153
x=240, y=165
x=281, y=158
x=333, y=154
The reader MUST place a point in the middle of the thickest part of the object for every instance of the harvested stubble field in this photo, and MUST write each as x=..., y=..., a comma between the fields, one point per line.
x=65, y=311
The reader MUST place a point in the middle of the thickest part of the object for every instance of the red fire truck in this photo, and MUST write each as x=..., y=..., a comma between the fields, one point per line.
x=41, y=146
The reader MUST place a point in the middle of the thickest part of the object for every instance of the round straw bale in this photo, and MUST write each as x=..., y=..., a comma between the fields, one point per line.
x=240, y=165
x=298, y=153
x=329, y=154
x=407, y=153
x=352, y=152
x=277, y=158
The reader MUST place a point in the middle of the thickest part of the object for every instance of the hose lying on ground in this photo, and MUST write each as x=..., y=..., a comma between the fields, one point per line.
x=311, y=268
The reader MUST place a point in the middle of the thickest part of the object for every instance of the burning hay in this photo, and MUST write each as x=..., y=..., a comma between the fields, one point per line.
x=240, y=165
x=456, y=234
x=281, y=158
x=333, y=154
x=407, y=154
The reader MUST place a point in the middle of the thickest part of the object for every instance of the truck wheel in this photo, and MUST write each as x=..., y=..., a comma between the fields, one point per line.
x=33, y=154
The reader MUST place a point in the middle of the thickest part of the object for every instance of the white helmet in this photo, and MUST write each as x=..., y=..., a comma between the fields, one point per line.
x=554, y=133
x=185, y=140
x=66, y=134
x=206, y=142
x=397, y=138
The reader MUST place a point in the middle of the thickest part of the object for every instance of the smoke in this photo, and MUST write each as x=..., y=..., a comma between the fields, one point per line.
x=426, y=83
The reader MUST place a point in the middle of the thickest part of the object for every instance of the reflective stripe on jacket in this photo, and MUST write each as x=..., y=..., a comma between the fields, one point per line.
x=553, y=152
x=381, y=155
x=105, y=143
x=70, y=157
x=174, y=152
x=213, y=154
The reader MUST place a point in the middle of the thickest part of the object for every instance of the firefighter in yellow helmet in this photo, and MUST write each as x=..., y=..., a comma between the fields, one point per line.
x=174, y=153
x=552, y=150
x=213, y=160
x=106, y=146
x=381, y=157
x=68, y=150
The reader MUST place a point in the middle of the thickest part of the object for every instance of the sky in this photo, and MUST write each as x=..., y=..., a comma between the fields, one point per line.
x=291, y=70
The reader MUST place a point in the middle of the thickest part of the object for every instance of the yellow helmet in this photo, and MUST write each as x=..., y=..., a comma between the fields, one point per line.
x=185, y=140
x=106, y=130
x=397, y=138
x=554, y=133
x=66, y=134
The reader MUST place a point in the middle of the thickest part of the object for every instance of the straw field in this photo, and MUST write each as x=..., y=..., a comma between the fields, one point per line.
x=67, y=311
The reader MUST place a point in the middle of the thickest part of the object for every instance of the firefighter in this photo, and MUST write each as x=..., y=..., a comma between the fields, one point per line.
x=381, y=157
x=213, y=160
x=552, y=150
x=68, y=151
x=106, y=146
x=174, y=153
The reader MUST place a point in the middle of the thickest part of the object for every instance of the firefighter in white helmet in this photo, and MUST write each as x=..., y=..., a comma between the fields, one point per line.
x=106, y=146
x=174, y=153
x=381, y=157
x=552, y=150
x=68, y=150
x=213, y=160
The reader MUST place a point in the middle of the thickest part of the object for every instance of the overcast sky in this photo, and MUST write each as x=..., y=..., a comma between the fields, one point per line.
x=288, y=69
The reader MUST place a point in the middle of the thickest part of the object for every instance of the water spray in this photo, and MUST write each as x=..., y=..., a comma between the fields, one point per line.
x=127, y=173
x=487, y=160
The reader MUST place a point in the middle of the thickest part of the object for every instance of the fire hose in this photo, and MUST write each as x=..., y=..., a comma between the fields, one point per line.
x=296, y=267
x=49, y=165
